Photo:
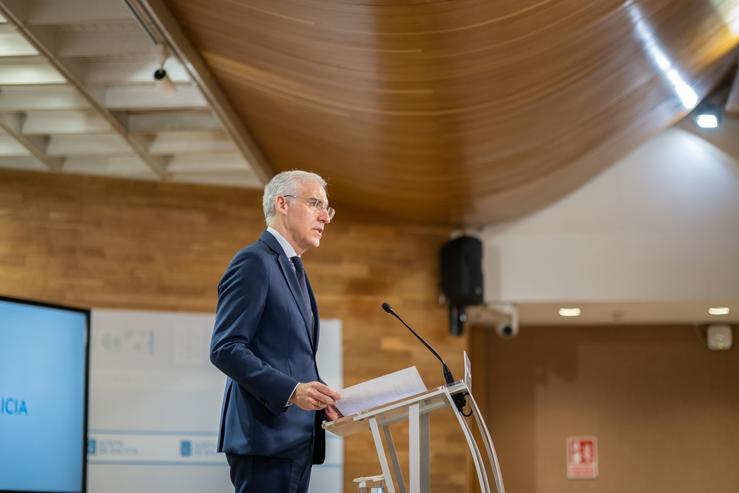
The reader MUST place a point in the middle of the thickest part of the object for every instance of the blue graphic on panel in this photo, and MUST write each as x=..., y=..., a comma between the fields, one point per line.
x=185, y=448
x=42, y=397
x=13, y=406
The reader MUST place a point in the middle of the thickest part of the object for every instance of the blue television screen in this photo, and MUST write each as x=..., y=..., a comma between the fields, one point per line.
x=43, y=397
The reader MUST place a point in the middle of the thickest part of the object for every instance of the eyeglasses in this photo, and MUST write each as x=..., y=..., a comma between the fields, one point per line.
x=316, y=204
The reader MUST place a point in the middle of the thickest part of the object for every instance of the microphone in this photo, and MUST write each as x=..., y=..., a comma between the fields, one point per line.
x=459, y=399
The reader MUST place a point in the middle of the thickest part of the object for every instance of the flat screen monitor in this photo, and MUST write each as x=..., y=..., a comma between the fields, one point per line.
x=43, y=397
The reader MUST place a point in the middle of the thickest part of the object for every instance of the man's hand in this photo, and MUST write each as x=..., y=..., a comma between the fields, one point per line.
x=314, y=396
x=332, y=413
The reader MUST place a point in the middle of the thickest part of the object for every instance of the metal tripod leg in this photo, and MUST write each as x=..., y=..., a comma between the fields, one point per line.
x=490, y=448
x=394, y=458
x=482, y=475
x=381, y=455
x=418, y=448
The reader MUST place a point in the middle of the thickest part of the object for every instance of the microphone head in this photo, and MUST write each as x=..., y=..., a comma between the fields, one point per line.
x=387, y=308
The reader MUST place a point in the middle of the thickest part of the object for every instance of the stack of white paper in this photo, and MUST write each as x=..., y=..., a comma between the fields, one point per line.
x=381, y=390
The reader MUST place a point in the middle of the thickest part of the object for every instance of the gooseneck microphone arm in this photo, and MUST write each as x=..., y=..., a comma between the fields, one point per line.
x=447, y=373
x=459, y=399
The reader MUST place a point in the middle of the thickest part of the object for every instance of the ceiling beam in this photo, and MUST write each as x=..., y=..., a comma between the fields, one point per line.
x=10, y=147
x=54, y=12
x=28, y=70
x=200, y=72
x=124, y=39
x=64, y=122
x=36, y=146
x=13, y=44
x=87, y=145
x=207, y=162
x=159, y=121
x=41, y=97
x=168, y=143
x=124, y=165
x=243, y=177
x=128, y=72
x=26, y=163
x=150, y=97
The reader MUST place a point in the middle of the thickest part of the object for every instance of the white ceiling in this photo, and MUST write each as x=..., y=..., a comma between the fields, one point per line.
x=651, y=240
x=77, y=95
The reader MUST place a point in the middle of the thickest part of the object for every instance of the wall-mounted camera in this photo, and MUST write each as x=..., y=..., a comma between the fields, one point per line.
x=508, y=327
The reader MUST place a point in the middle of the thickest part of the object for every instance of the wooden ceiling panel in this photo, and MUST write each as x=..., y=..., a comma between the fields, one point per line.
x=439, y=111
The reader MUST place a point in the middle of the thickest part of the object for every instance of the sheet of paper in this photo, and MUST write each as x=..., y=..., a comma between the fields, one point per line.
x=380, y=390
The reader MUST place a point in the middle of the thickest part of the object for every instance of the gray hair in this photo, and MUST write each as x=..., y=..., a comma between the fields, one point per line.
x=285, y=183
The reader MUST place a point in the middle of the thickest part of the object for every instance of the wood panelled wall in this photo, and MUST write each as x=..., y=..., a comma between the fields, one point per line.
x=96, y=242
x=665, y=409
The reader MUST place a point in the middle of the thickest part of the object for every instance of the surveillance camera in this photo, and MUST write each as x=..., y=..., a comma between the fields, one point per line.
x=163, y=81
x=507, y=329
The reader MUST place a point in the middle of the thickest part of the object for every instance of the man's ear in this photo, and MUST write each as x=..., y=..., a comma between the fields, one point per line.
x=281, y=204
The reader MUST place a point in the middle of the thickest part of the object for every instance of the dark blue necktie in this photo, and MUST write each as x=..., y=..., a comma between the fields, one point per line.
x=300, y=274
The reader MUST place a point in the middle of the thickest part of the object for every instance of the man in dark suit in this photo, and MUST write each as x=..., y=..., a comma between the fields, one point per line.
x=265, y=340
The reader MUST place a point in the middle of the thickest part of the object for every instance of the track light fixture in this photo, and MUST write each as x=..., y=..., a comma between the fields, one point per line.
x=707, y=116
x=160, y=74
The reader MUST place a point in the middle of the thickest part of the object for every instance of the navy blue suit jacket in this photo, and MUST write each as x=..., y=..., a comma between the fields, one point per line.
x=263, y=342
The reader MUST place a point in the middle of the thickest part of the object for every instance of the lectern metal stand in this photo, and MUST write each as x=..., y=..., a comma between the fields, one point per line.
x=416, y=410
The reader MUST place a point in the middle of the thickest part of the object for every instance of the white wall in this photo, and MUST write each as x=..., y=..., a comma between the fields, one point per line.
x=662, y=224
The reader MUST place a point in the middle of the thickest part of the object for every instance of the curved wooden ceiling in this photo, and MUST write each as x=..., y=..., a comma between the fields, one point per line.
x=458, y=111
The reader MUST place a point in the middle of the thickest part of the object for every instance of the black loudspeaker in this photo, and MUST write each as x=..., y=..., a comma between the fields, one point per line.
x=461, y=278
x=461, y=271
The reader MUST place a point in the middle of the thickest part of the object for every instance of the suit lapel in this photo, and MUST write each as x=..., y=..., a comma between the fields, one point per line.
x=288, y=271
x=314, y=307
x=292, y=282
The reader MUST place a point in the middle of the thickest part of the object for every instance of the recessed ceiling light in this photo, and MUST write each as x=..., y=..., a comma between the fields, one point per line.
x=718, y=310
x=570, y=312
x=706, y=120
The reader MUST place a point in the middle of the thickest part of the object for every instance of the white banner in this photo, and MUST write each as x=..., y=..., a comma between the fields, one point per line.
x=155, y=402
